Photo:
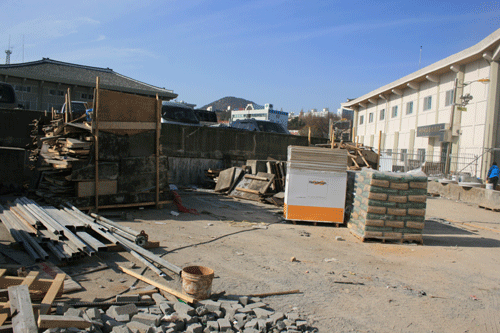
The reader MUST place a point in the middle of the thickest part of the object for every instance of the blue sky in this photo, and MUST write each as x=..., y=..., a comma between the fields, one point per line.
x=293, y=54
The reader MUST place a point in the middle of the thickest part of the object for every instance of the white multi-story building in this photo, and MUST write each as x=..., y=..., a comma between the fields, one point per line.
x=424, y=113
x=259, y=112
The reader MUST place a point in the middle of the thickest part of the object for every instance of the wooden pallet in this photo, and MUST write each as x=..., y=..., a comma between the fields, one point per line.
x=383, y=239
x=317, y=223
x=489, y=208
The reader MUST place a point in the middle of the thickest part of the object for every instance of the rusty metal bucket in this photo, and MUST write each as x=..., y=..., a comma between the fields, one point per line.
x=197, y=281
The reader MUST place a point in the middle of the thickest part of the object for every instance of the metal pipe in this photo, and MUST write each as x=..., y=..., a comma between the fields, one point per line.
x=151, y=256
x=115, y=225
x=147, y=263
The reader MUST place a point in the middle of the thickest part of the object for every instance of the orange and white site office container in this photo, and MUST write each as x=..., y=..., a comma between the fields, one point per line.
x=316, y=183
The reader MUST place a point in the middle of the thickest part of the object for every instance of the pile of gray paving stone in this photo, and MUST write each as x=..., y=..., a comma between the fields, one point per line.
x=230, y=314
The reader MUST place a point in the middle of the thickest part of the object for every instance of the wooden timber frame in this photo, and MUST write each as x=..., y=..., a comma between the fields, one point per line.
x=119, y=122
x=38, y=288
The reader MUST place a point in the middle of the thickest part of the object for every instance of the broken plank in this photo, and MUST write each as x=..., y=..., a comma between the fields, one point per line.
x=247, y=190
x=256, y=177
x=51, y=321
x=160, y=286
x=23, y=319
x=54, y=290
x=276, y=293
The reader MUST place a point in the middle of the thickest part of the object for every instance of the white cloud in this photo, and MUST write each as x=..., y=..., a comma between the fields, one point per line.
x=41, y=29
x=100, y=38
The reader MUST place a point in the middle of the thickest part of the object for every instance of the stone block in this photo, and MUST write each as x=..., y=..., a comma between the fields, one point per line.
x=158, y=298
x=93, y=313
x=256, y=305
x=72, y=312
x=147, y=319
x=194, y=328
x=262, y=313
x=301, y=324
x=128, y=298
x=176, y=326
x=187, y=318
x=155, y=310
x=261, y=324
x=180, y=308
x=244, y=300
x=166, y=307
x=137, y=327
x=109, y=323
x=210, y=305
x=224, y=325
x=213, y=326
x=201, y=310
x=252, y=323
x=276, y=317
x=292, y=316
x=121, y=329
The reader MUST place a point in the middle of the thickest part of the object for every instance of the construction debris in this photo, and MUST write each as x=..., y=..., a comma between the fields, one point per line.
x=359, y=156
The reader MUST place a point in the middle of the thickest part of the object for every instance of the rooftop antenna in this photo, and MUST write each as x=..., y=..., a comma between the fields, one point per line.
x=420, y=58
x=8, y=52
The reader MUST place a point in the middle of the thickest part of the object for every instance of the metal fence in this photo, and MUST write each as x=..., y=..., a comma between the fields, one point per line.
x=431, y=164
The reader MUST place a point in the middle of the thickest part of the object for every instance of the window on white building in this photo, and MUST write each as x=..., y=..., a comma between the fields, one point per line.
x=421, y=154
x=394, y=111
x=370, y=117
x=404, y=152
x=409, y=107
x=427, y=103
x=382, y=114
x=449, y=98
x=361, y=119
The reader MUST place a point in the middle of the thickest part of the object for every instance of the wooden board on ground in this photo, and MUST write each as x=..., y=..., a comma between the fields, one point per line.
x=253, y=188
x=225, y=180
x=49, y=271
x=23, y=318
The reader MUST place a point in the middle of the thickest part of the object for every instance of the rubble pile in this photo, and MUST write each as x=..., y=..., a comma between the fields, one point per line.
x=231, y=314
x=389, y=206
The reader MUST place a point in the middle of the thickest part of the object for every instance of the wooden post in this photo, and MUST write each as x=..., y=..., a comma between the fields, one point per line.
x=96, y=143
x=158, y=129
x=68, y=106
x=332, y=134
x=309, y=136
x=65, y=115
x=379, y=145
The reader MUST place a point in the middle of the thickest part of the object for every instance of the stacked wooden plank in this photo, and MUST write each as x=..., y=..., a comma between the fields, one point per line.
x=359, y=156
x=64, y=147
x=389, y=206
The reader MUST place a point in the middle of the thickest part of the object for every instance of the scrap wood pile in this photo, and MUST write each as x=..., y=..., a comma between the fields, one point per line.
x=64, y=147
x=68, y=234
x=389, y=206
x=66, y=167
x=258, y=180
x=359, y=156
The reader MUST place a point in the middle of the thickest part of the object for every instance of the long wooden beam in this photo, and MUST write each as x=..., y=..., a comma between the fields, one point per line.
x=160, y=286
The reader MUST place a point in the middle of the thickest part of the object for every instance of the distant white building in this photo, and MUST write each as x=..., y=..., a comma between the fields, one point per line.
x=259, y=112
x=449, y=108
x=316, y=113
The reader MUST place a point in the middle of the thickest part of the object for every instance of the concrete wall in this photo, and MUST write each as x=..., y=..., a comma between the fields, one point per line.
x=474, y=195
x=192, y=150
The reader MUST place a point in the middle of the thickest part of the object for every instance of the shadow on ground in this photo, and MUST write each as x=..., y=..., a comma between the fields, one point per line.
x=441, y=233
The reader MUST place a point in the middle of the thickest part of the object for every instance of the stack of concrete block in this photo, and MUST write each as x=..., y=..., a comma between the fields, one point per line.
x=389, y=206
x=230, y=314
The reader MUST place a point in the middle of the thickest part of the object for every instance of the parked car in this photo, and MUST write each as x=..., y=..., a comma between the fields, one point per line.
x=206, y=117
x=8, y=98
x=78, y=109
x=177, y=113
x=259, y=126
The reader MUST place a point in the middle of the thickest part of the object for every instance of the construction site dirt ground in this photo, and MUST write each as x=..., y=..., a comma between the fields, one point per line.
x=450, y=284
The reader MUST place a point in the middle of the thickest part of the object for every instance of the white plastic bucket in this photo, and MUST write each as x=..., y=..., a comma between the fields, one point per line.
x=489, y=186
